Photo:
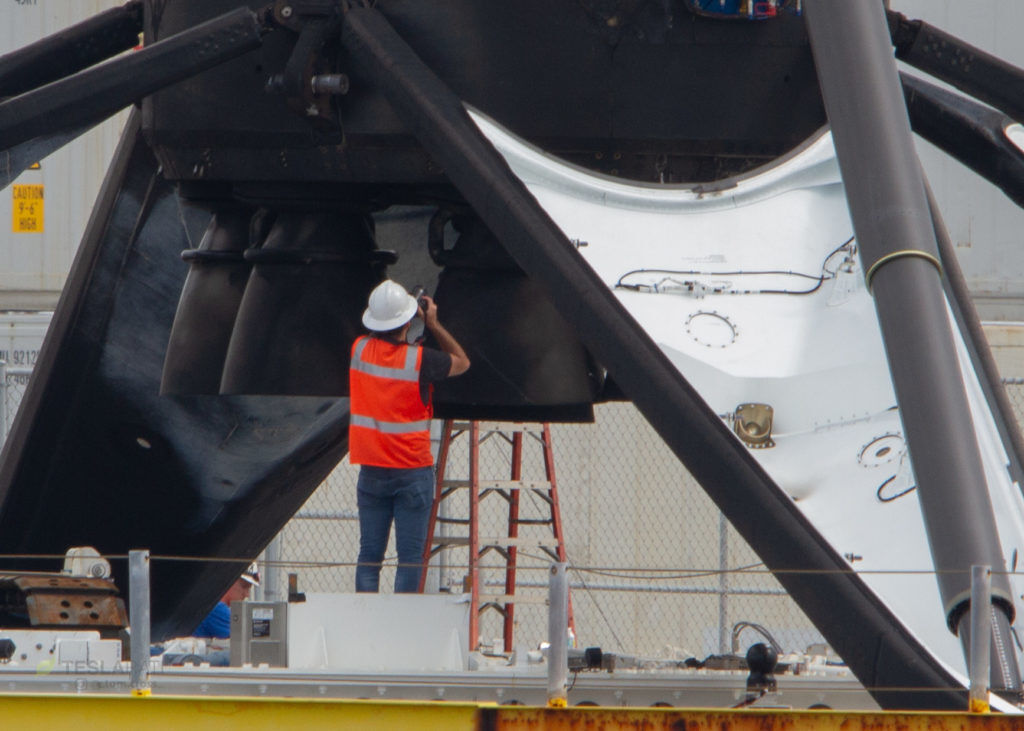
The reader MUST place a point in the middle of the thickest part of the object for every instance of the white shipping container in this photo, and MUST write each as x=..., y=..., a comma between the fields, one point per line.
x=21, y=337
x=39, y=237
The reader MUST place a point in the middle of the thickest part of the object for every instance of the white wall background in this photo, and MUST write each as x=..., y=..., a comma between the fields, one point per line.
x=985, y=226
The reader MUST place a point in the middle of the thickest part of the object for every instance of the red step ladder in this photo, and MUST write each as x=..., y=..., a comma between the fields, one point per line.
x=507, y=546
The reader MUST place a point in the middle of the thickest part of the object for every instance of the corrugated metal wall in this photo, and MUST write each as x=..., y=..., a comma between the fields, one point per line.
x=36, y=251
x=985, y=226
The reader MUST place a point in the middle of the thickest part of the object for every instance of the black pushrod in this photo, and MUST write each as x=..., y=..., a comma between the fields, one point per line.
x=18, y=159
x=886, y=658
x=72, y=49
x=977, y=344
x=958, y=63
x=885, y=192
x=1005, y=675
x=98, y=92
x=970, y=132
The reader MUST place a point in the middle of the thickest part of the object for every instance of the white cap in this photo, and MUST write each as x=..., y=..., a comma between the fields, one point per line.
x=390, y=307
x=251, y=574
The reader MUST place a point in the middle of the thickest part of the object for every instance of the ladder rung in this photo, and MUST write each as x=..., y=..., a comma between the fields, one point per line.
x=513, y=599
x=501, y=484
x=456, y=483
x=454, y=521
x=451, y=540
x=518, y=542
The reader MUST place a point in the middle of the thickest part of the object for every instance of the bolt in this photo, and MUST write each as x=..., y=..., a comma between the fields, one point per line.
x=275, y=84
x=329, y=84
x=286, y=11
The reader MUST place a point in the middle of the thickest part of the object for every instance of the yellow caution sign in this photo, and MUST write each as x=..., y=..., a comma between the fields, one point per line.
x=27, y=209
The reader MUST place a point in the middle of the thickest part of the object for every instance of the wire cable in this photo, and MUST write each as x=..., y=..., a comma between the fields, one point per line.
x=660, y=287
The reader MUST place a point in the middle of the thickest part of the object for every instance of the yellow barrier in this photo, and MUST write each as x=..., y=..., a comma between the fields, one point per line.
x=88, y=712
x=675, y=719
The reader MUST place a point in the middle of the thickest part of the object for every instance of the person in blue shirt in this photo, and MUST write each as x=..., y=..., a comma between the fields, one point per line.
x=218, y=622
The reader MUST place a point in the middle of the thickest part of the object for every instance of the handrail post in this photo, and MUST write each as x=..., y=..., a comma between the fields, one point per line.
x=272, y=571
x=138, y=582
x=558, y=639
x=981, y=638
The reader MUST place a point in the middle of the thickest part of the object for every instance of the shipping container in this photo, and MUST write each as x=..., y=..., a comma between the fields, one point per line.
x=21, y=337
x=984, y=225
x=44, y=212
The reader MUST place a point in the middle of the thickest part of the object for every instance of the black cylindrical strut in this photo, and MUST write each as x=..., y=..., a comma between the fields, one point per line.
x=960, y=64
x=1005, y=673
x=71, y=49
x=971, y=132
x=95, y=93
x=886, y=195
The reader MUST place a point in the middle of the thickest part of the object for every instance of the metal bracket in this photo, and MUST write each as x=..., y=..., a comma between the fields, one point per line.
x=308, y=81
x=53, y=600
x=753, y=424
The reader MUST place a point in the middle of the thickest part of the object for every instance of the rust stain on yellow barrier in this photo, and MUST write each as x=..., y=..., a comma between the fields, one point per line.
x=675, y=719
x=87, y=712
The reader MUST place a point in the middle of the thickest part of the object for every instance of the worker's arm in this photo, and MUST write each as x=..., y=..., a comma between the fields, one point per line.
x=445, y=341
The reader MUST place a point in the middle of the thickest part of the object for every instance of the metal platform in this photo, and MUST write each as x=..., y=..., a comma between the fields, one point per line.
x=689, y=689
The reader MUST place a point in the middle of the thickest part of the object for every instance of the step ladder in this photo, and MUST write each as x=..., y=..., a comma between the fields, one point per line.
x=507, y=546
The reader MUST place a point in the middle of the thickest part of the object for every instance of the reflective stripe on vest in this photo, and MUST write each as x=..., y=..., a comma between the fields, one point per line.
x=408, y=373
x=389, y=425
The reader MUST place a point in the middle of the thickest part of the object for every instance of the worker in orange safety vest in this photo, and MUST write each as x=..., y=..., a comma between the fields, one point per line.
x=390, y=384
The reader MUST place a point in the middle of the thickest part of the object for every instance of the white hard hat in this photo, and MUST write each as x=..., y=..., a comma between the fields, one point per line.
x=390, y=307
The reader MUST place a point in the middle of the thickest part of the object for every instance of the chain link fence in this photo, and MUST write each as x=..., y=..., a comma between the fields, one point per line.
x=653, y=564
x=655, y=570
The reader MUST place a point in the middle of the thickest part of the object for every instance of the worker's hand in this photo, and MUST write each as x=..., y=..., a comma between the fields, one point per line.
x=430, y=315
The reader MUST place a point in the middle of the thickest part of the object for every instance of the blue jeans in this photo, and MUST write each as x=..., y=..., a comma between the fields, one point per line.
x=386, y=494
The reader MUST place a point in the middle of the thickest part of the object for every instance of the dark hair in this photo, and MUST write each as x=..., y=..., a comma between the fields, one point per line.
x=393, y=333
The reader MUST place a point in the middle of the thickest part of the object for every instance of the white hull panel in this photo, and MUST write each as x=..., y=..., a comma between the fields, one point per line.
x=759, y=297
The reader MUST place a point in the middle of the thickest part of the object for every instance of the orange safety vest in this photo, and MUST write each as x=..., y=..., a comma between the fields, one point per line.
x=389, y=424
